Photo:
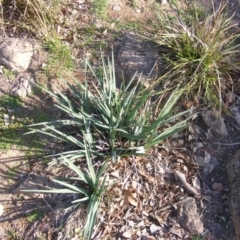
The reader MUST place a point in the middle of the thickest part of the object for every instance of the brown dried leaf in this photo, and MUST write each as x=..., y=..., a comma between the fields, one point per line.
x=131, y=197
x=147, y=176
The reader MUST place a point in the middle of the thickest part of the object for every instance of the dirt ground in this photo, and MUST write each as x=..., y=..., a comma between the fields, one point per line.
x=44, y=216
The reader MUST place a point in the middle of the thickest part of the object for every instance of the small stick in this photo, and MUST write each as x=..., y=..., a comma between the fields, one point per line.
x=227, y=144
x=174, y=204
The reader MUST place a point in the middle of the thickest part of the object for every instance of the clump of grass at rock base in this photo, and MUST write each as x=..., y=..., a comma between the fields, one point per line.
x=106, y=123
x=37, y=16
x=203, y=50
x=19, y=15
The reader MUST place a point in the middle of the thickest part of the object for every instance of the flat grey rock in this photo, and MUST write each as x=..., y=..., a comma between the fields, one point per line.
x=16, y=53
x=188, y=217
x=137, y=55
x=214, y=121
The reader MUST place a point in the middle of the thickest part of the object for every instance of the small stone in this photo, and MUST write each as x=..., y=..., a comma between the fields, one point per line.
x=22, y=88
x=80, y=1
x=188, y=216
x=116, y=8
x=214, y=121
x=217, y=186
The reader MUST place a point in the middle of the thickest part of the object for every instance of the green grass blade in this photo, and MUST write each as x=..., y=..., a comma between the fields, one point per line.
x=73, y=167
x=82, y=200
x=89, y=161
x=51, y=191
x=72, y=187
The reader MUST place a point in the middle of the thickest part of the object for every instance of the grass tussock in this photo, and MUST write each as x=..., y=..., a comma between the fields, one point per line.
x=37, y=16
x=203, y=50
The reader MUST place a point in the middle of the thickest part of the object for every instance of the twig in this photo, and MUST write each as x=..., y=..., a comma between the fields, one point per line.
x=168, y=207
x=227, y=144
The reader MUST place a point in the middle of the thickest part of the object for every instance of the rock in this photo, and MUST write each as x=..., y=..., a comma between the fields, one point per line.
x=230, y=98
x=188, y=217
x=214, y=121
x=233, y=171
x=16, y=53
x=236, y=113
x=136, y=55
x=22, y=88
x=217, y=186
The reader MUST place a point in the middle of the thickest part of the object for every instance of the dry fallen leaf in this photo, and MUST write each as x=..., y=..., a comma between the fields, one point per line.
x=196, y=183
x=1, y=209
x=127, y=234
x=131, y=197
x=115, y=174
x=200, y=161
x=147, y=176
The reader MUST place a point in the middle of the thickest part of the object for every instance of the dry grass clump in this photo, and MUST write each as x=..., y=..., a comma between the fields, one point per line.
x=203, y=50
x=36, y=16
